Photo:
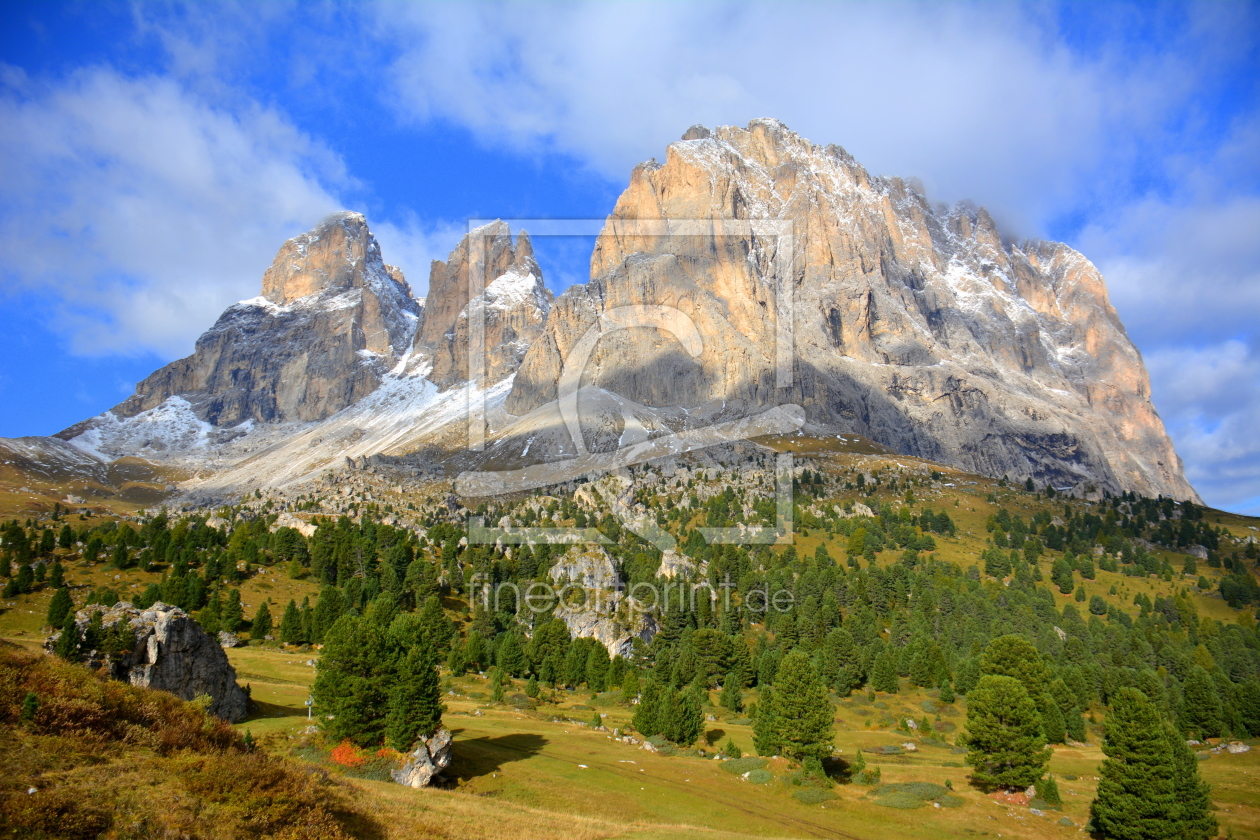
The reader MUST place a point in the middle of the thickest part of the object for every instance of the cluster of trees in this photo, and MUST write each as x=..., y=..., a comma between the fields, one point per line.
x=856, y=625
x=1149, y=784
x=378, y=680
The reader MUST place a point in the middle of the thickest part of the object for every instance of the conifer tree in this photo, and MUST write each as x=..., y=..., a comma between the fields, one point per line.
x=68, y=644
x=682, y=715
x=1136, y=798
x=415, y=704
x=291, y=625
x=1202, y=715
x=646, y=715
x=210, y=616
x=765, y=725
x=354, y=680
x=1014, y=656
x=804, y=717
x=496, y=685
x=630, y=686
x=1052, y=720
x=260, y=628
x=947, y=691
x=510, y=656
x=884, y=672
x=1048, y=791
x=328, y=608
x=60, y=606
x=1192, y=794
x=1005, y=742
x=57, y=577
x=597, y=663
x=731, y=698
x=232, y=616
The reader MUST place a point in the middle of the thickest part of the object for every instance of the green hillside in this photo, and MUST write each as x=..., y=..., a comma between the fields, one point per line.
x=892, y=610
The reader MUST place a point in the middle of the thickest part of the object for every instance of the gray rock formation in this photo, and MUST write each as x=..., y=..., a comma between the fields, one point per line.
x=168, y=651
x=920, y=327
x=430, y=757
x=594, y=603
x=331, y=321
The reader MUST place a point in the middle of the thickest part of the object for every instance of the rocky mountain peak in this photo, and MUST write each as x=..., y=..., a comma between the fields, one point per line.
x=489, y=277
x=331, y=321
x=920, y=327
x=338, y=255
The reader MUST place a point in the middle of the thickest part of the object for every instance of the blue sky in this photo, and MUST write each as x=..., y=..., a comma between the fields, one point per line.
x=153, y=156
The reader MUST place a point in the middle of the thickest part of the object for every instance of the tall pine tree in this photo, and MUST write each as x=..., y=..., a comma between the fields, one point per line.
x=1006, y=745
x=1137, y=791
x=260, y=628
x=354, y=681
x=291, y=625
x=884, y=672
x=60, y=606
x=804, y=717
x=765, y=725
x=1202, y=715
x=415, y=704
x=1192, y=794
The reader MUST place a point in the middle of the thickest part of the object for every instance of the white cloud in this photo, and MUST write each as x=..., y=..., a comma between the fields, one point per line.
x=145, y=209
x=980, y=101
x=1209, y=398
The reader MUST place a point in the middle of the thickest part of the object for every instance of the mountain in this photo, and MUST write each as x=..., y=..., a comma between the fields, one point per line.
x=790, y=277
x=335, y=360
x=331, y=320
x=918, y=326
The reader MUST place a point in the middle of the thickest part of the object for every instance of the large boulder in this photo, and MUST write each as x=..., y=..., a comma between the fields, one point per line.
x=430, y=757
x=594, y=603
x=160, y=647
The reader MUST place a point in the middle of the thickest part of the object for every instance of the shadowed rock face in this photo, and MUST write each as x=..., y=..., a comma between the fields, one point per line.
x=920, y=327
x=331, y=320
x=484, y=277
x=170, y=652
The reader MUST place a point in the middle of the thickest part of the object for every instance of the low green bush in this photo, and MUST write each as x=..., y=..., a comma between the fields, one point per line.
x=740, y=766
x=905, y=795
x=887, y=749
x=923, y=790
x=812, y=796
x=760, y=777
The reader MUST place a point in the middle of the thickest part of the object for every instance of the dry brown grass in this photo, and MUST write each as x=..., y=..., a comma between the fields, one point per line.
x=102, y=758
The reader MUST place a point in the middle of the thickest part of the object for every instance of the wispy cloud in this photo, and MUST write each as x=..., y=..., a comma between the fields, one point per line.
x=984, y=101
x=145, y=209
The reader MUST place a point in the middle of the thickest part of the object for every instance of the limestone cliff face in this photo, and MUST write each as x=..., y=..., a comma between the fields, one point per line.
x=594, y=603
x=332, y=319
x=921, y=327
x=489, y=282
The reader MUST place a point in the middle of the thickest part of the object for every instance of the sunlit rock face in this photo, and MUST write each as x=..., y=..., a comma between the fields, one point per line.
x=487, y=285
x=919, y=326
